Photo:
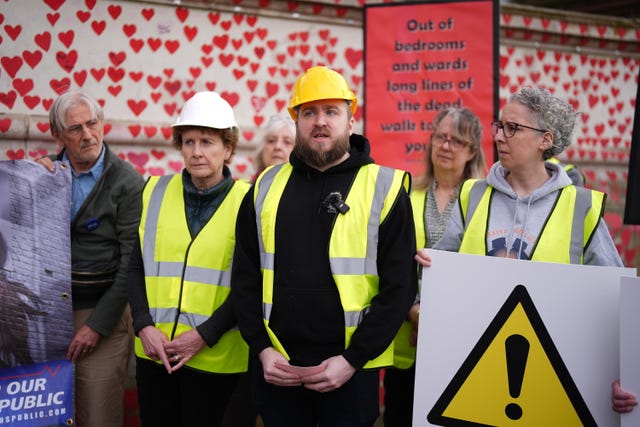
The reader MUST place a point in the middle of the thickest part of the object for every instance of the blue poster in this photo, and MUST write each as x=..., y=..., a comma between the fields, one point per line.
x=36, y=318
x=37, y=395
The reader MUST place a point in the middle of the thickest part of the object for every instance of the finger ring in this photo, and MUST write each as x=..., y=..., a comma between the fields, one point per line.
x=177, y=357
x=84, y=351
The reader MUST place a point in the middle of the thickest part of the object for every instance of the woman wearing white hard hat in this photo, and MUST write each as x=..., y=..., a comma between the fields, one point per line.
x=189, y=354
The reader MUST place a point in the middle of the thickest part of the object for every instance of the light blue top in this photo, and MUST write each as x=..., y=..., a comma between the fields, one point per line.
x=82, y=183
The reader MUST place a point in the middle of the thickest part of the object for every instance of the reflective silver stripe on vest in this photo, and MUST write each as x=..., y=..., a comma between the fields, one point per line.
x=368, y=265
x=166, y=268
x=266, y=310
x=266, y=260
x=476, y=193
x=339, y=266
x=168, y=315
x=583, y=204
x=354, y=318
x=581, y=208
x=151, y=267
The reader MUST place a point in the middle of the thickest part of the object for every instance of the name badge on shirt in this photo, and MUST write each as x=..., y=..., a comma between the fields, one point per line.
x=92, y=224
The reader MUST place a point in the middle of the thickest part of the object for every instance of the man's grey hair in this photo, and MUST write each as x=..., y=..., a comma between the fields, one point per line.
x=67, y=101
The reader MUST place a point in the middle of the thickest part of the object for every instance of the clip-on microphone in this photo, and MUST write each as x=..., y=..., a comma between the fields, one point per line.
x=334, y=203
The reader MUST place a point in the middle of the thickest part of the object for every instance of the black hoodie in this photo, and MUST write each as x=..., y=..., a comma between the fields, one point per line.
x=307, y=315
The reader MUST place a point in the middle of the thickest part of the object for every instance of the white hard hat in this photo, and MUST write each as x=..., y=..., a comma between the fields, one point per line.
x=207, y=109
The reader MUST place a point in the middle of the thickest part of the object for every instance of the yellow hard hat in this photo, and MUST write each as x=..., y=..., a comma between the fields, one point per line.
x=320, y=83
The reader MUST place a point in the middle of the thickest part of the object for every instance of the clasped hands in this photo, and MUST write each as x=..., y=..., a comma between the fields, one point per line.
x=173, y=354
x=334, y=372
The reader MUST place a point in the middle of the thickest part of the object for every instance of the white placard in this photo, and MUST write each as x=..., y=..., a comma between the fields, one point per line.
x=552, y=329
x=630, y=344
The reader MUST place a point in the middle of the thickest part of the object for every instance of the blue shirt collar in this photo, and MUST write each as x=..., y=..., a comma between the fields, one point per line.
x=96, y=169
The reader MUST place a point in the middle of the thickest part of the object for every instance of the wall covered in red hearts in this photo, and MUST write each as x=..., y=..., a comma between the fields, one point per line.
x=142, y=60
x=593, y=63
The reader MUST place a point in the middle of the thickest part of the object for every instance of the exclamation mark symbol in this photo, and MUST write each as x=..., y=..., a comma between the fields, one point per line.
x=517, y=351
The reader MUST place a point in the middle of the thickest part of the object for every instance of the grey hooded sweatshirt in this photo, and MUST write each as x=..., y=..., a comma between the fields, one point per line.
x=516, y=222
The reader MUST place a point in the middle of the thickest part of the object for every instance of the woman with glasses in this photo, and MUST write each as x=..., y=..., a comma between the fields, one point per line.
x=454, y=155
x=527, y=208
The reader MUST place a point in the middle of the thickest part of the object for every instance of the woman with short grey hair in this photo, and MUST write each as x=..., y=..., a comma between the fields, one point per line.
x=527, y=208
x=277, y=142
x=551, y=113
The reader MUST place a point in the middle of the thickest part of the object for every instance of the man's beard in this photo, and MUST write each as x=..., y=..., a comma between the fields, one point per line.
x=304, y=151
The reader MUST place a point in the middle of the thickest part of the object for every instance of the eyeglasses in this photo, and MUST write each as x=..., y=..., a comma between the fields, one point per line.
x=510, y=128
x=77, y=130
x=455, y=144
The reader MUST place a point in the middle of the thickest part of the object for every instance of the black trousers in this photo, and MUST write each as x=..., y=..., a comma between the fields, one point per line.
x=355, y=404
x=398, y=396
x=241, y=411
x=185, y=398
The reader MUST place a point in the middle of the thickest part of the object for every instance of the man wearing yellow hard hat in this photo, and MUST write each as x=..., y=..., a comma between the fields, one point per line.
x=323, y=272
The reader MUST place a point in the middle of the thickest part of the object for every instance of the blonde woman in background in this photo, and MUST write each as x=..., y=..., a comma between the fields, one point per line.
x=277, y=143
x=453, y=156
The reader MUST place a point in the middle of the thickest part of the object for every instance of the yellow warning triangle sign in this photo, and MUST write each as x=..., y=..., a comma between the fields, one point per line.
x=514, y=376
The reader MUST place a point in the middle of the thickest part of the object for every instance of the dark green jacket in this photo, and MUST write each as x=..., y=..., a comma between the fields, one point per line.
x=102, y=235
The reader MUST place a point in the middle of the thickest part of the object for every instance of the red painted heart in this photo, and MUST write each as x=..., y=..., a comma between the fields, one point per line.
x=54, y=4
x=5, y=124
x=114, y=11
x=98, y=26
x=137, y=107
x=60, y=86
x=43, y=40
x=136, y=44
x=67, y=60
x=138, y=159
x=32, y=58
x=231, y=97
x=176, y=166
x=15, y=154
x=53, y=18
x=13, y=31
x=117, y=58
x=148, y=13
x=23, y=86
x=11, y=64
x=83, y=15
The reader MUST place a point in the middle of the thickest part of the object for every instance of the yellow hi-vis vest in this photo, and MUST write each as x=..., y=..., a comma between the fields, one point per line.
x=187, y=280
x=566, y=166
x=565, y=235
x=352, y=247
x=404, y=355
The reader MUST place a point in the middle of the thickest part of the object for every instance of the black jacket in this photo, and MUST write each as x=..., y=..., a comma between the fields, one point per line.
x=307, y=314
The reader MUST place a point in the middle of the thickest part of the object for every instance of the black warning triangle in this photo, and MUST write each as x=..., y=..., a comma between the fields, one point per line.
x=518, y=297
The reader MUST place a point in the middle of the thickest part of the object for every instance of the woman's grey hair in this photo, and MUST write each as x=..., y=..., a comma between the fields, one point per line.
x=465, y=126
x=551, y=113
x=275, y=123
x=67, y=101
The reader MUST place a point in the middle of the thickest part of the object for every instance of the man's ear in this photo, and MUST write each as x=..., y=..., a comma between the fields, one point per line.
x=56, y=138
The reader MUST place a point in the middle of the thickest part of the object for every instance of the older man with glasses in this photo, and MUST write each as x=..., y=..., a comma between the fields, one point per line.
x=105, y=211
